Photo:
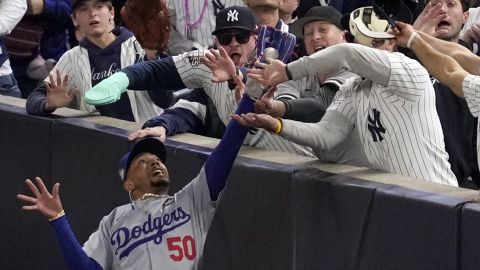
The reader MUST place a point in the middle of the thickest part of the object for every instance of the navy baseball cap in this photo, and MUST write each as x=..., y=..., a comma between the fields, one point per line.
x=235, y=17
x=318, y=13
x=147, y=145
x=75, y=3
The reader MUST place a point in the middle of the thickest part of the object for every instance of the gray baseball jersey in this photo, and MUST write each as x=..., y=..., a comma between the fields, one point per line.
x=393, y=109
x=167, y=233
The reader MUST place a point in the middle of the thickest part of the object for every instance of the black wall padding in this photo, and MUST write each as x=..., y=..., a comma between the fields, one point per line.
x=470, y=237
x=271, y=216
x=345, y=223
x=25, y=238
x=253, y=227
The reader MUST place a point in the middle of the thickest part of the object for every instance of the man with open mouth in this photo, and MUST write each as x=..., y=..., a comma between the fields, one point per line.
x=444, y=19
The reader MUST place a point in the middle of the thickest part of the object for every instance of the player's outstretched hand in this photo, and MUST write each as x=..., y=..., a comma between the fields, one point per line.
x=402, y=33
x=429, y=19
x=267, y=105
x=255, y=120
x=58, y=95
x=221, y=65
x=239, y=88
x=158, y=131
x=44, y=202
x=271, y=73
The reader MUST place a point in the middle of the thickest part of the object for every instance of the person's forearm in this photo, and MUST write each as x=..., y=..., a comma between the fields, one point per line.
x=468, y=60
x=310, y=109
x=220, y=162
x=11, y=12
x=177, y=120
x=36, y=102
x=75, y=257
x=326, y=134
x=441, y=66
x=361, y=60
x=159, y=74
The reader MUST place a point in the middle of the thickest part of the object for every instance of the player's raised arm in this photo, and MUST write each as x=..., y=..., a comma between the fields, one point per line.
x=220, y=162
x=50, y=205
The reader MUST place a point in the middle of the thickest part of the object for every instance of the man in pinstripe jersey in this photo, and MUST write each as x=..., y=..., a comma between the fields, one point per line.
x=100, y=54
x=392, y=107
x=186, y=70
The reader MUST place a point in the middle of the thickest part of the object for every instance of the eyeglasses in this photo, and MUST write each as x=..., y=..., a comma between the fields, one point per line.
x=242, y=37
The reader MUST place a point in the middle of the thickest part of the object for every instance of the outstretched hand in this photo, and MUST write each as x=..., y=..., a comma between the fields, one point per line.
x=429, y=19
x=158, y=131
x=58, y=95
x=221, y=65
x=48, y=204
x=402, y=33
x=255, y=120
x=271, y=73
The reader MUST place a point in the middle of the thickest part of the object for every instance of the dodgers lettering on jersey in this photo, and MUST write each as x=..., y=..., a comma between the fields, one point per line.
x=166, y=233
x=124, y=240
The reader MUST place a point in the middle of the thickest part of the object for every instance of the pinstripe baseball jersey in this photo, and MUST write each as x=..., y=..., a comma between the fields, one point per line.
x=76, y=64
x=471, y=91
x=393, y=109
x=196, y=75
x=194, y=20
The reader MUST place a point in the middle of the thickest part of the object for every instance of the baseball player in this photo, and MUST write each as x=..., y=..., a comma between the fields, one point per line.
x=100, y=54
x=451, y=63
x=234, y=32
x=392, y=107
x=154, y=231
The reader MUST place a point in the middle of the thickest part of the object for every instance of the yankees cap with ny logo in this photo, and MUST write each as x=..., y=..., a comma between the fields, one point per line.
x=235, y=17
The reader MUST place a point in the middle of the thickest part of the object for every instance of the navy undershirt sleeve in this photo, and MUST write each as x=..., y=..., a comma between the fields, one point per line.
x=75, y=257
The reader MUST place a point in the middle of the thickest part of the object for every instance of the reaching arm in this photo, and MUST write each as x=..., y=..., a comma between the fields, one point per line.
x=361, y=60
x=75, y=256
x=468, y=60
x=440, y=65
x=372, y=64
x=159, y=74
x=220, y=162
x=50, y=205
x=310, y=109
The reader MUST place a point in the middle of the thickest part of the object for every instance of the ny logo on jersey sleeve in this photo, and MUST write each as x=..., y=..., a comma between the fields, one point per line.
x=375, y=126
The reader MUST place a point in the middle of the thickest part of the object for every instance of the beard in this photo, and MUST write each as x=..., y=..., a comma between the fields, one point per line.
x=164, y=183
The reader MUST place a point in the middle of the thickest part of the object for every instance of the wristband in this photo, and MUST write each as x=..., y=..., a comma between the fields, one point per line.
x=59, y=215
x=289, y=74
x=280, y=126
x=410, y=39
